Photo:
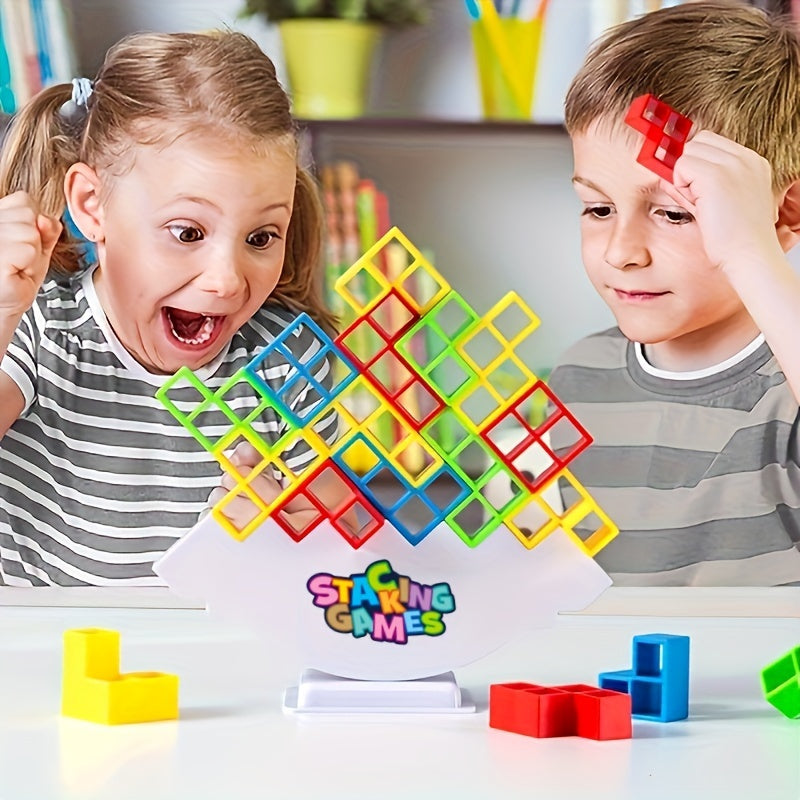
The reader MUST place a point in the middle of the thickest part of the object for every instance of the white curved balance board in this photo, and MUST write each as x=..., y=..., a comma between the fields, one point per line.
x=396, y=611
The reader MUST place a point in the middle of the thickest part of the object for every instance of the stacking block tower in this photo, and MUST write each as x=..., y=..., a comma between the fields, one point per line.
x=421, y=427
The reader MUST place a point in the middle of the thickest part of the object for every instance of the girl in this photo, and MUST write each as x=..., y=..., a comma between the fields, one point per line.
x=180, y=163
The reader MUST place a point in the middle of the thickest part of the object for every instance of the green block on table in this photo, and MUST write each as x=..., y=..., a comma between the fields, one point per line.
x=781, y=683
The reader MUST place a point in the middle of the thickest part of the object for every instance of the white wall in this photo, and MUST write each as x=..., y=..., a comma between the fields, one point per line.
x=99, y=23
x=496, y=207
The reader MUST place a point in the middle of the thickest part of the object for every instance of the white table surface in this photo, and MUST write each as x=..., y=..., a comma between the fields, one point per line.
x=232, y=740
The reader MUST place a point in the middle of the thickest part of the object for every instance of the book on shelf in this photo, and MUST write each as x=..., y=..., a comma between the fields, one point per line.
x=357, y=215
x=36, y=49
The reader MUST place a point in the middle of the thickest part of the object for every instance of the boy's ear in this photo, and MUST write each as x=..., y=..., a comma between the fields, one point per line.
x=787, y=225
x=82, y=190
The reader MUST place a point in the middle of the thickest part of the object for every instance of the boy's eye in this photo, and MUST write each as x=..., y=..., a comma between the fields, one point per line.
x=186, y=233
x=676, y=217
x=600, y=212
x=261, y=239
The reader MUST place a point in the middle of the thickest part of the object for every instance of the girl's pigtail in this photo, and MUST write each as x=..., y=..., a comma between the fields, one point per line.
x=38, y=149
x=299, y=286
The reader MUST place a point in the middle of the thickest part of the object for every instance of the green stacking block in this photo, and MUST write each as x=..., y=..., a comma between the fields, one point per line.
x=781, y=684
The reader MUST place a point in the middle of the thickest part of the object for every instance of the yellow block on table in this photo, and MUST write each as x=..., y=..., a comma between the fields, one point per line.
x=94, y=690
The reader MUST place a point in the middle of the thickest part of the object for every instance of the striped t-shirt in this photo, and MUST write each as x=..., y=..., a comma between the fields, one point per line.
x=699, y=470
x=97, y=478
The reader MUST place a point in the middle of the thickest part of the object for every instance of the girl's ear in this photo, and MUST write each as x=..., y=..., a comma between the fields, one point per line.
x=82, y=190
x=787, y=225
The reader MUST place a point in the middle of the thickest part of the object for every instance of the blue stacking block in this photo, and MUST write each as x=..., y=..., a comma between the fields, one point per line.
x=421, y=497
x=400, y=487
x=658, y=683
x=279, y=350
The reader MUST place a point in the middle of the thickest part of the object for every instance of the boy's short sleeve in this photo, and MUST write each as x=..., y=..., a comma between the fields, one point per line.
x=19, y=362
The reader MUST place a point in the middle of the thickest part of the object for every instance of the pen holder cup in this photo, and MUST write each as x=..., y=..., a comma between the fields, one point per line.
x=507, y=66
x=329, y=63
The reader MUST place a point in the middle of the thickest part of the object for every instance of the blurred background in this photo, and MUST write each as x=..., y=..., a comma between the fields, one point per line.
x=488, y=199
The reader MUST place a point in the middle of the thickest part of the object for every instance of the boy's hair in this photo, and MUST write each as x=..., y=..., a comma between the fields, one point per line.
x=151, y=89
x=731, y=68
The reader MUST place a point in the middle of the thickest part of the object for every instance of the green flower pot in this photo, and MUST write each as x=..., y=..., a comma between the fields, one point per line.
x=329, y=64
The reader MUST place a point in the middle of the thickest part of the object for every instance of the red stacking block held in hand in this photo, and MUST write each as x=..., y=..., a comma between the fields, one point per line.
x=665, y=132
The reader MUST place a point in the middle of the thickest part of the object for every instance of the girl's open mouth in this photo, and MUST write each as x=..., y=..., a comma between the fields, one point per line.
x=190, y=329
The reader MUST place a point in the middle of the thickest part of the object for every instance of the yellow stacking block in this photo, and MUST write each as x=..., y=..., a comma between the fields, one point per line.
x=93, y=688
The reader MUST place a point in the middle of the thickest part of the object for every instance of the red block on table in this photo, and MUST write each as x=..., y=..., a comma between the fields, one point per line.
x=665, y=132
x=531, y=710
x=601, y=713
x=572, y=710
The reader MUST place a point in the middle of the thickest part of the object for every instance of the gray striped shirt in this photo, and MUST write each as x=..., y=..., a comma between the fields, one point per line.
x=97, y=479
x=700, y=474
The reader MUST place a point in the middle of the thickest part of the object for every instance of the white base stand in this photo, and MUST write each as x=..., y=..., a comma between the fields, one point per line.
x=321, y=693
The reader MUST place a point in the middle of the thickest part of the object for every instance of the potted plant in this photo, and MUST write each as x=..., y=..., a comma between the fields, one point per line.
x=329, y=45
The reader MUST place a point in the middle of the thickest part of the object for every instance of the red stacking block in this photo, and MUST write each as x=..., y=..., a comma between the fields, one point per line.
x=601, y=713
x=353, y=498
x=572, y=710
x=392, y=376
x=531, y=710
x=514, y=457
x=665, y=132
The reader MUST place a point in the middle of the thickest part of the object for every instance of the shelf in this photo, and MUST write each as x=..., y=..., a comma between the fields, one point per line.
x=429, y=125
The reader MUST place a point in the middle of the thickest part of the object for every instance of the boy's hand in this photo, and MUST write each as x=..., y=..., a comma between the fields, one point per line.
x=728, y=189
x=27, y=240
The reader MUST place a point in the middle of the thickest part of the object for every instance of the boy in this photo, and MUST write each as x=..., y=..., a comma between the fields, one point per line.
x=692, y=400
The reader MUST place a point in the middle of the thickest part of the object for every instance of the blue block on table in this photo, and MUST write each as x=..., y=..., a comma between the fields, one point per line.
x=658, y=683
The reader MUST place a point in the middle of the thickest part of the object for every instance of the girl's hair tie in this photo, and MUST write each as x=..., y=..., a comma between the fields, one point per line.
x=74, y=111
